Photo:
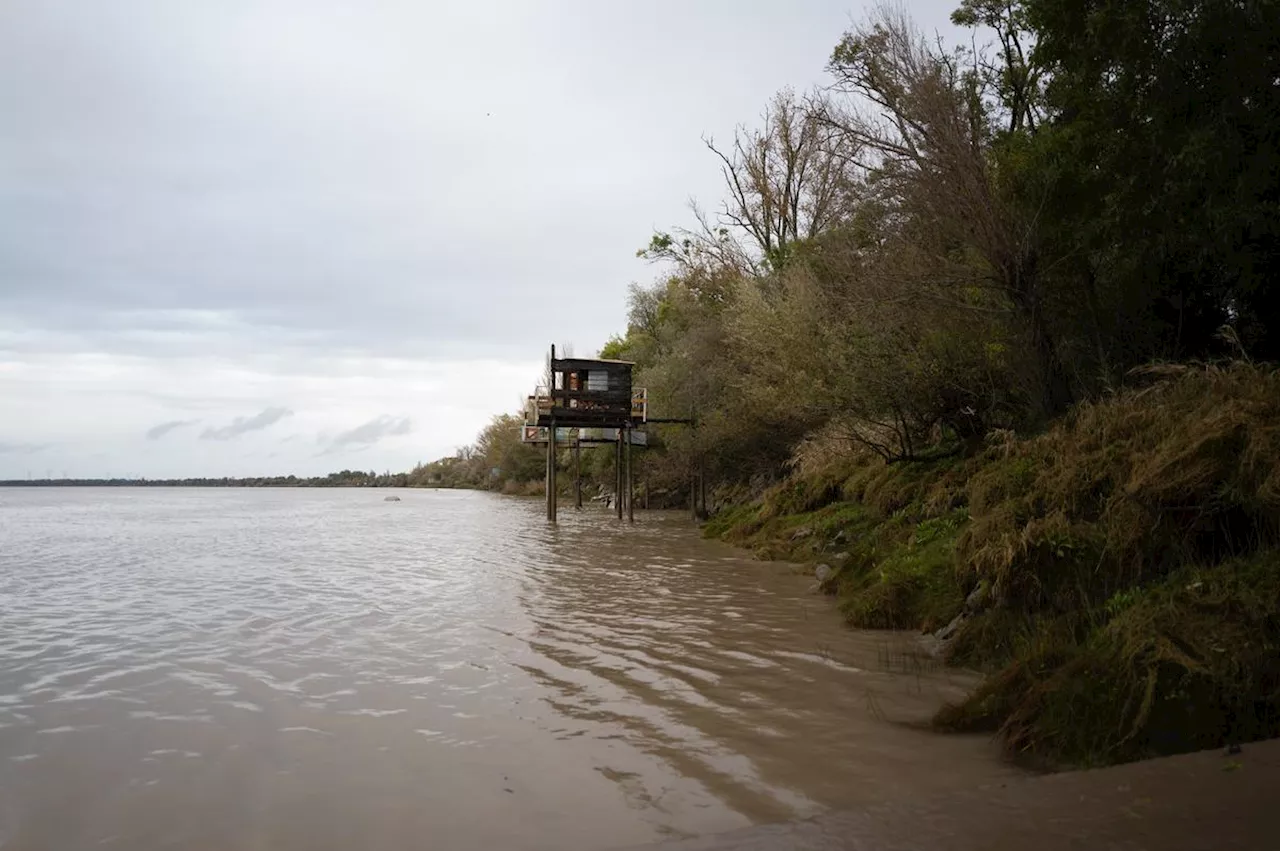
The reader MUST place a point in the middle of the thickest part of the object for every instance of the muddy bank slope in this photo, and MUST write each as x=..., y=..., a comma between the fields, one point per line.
x=1117, y=577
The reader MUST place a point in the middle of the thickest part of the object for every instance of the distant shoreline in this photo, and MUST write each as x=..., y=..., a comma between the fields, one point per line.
x=285, y=482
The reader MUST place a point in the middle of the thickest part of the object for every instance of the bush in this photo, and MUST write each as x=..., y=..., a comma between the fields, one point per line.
x=1129, y=559
x=1186, y=664
x=1124, y=491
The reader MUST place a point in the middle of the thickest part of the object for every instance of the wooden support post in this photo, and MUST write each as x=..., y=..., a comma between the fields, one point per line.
x=631, y=512
x=577, y=472
x=702, y=482
x=617, y=474
x=551, y=440
x=693, y=493
x=551, y=473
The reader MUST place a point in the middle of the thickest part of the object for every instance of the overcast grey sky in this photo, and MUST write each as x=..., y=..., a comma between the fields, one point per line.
x=271, y=236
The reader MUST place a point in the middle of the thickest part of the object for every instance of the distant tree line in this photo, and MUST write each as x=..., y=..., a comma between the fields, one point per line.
x=343, y=479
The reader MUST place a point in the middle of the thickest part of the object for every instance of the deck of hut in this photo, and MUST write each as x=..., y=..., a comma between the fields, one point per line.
x=589, y=394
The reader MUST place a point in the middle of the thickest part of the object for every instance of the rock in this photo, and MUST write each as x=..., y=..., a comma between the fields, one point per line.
x=978, y=598
x=840, y=559
x=932, y=646
x=949, y=631
x=823, y=572
x=801, y=533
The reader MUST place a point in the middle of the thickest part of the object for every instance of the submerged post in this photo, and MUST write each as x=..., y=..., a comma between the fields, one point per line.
x=551, y=473
x=617, y=474
x=702, y=482
x=551, y=440
x=577, y=472
x=631, y=510
x=693, y=493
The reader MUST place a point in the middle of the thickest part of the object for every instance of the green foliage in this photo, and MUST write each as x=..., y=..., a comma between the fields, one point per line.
x=734, y=523
x=908, y=338
x=614, y=349
x=895, y=568
x=1184, y=470
x=1123, y=565
x=497, y=461
x=912, y=583
x=1159, y=180
x=1134, y=549
x=1190, y=662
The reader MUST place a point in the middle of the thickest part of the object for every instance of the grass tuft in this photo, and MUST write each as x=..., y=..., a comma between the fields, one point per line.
x=1129, y=561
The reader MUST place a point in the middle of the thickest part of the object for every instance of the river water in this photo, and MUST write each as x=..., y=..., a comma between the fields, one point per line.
x=322, y=669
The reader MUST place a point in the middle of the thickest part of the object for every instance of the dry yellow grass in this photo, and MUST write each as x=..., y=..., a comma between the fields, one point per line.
x=1130, y=556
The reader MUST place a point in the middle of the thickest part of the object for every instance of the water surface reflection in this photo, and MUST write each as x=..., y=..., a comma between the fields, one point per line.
x=321, y=669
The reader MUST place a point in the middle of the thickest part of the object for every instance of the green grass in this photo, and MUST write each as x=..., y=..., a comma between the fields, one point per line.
x=910, y=582
x=1191, y=662
x=1129, y=558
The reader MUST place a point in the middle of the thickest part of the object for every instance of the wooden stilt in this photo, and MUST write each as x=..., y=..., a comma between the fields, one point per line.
x=551, y=474
x=631, y=511
x=577, y=473
x=617, y=474
x=702, y=483
x=693, y=493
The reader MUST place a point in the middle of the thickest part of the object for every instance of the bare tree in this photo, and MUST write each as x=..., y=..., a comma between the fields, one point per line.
x=921, y=122
x=704, y=250
x=789, y=180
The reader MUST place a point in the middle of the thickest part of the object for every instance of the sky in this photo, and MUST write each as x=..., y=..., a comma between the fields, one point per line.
x=262, y=237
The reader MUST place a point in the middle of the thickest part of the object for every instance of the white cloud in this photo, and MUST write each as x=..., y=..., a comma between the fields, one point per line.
x=366, y=434
x=160, y=430
x=265, y=418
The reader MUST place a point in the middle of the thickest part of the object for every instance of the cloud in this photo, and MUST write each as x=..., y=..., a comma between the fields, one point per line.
x=240, y=425
x=158, y=431
x=371, y=432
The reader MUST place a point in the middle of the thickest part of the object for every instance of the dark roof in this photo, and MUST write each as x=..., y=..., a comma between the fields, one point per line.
x=587, y=363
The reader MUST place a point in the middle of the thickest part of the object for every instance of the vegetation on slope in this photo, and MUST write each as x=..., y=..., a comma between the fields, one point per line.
x=1118, y=574
x=920, y=324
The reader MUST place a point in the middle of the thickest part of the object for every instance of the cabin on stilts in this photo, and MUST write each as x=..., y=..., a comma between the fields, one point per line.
x=588, y=401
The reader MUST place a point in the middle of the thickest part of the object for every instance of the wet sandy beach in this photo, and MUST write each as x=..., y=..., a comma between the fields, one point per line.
x=1196, y=802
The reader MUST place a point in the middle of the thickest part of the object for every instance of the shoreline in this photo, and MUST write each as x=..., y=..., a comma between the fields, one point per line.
x=1202, y=801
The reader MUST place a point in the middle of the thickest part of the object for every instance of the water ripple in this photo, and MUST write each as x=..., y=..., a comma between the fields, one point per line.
x=305, y=669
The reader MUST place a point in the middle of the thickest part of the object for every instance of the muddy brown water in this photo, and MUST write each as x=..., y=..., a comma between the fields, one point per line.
x=294, y=669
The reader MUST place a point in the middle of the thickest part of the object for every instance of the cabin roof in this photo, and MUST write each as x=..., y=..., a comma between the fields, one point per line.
x=585, y=363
